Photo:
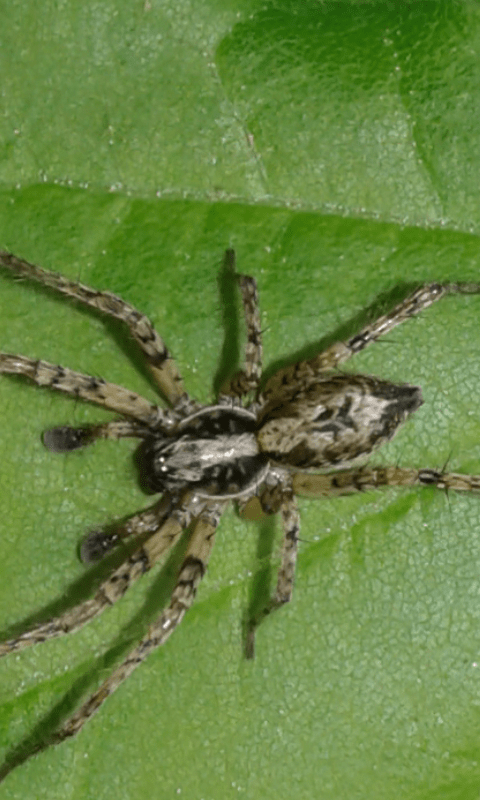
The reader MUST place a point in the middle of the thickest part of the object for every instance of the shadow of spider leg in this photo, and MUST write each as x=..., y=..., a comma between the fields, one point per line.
x=115, y=586
x=248, y=378
x=159, y=360
x=279, y=498
x=191, y=573
x=339, y=352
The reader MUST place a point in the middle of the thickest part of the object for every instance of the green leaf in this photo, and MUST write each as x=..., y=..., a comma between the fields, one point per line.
x=336, y=147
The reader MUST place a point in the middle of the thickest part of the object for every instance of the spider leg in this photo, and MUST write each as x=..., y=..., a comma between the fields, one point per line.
x=248, y=378
x=161, y=364
x=191, y=573
x=86, y=387
x=363, y=479
x=284, y=497
x=114, y=587
x=64, y=438
x=339, y=352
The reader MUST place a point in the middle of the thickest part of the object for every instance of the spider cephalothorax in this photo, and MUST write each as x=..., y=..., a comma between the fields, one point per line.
x=306, y=416
x=215, y=452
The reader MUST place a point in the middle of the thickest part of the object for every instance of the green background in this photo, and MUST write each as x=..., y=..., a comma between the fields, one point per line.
x=336, y=146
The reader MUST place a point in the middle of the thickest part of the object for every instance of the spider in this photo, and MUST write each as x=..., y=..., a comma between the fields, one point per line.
x=252, y=441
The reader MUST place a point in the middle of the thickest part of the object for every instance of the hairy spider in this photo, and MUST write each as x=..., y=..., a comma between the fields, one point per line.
x=199, y=458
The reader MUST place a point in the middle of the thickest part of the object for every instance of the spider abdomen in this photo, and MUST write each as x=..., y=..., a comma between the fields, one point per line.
x=214, y=451
x=334, y=419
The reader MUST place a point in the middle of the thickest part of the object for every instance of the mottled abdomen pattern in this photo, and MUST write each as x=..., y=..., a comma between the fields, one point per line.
x=333, y=420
